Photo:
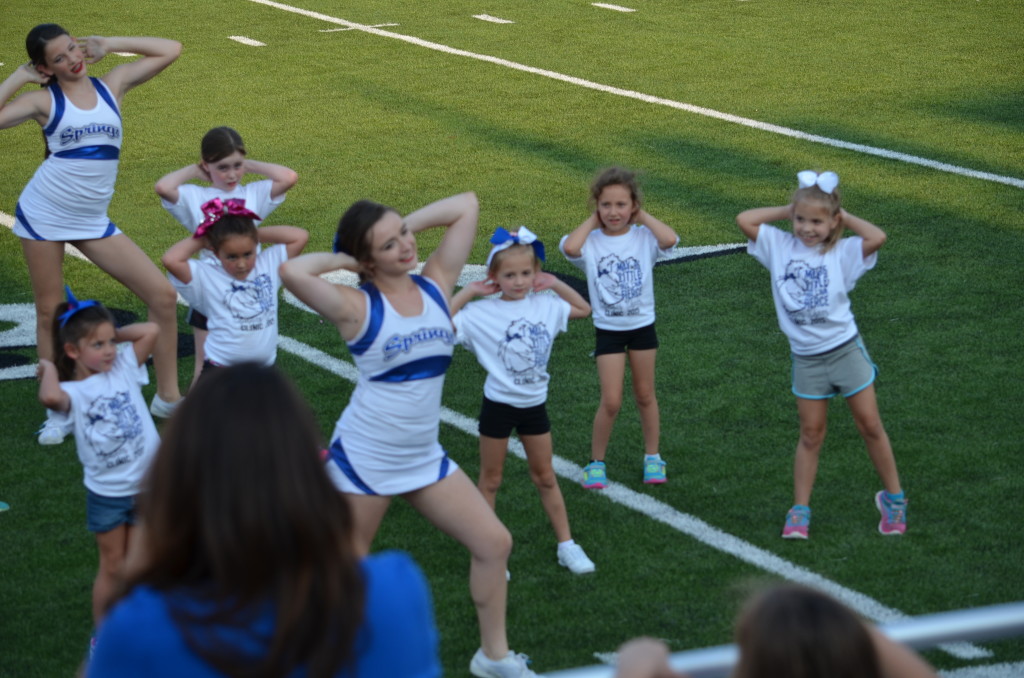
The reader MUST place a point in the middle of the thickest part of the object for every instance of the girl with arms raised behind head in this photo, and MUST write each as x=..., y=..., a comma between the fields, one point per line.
x=67, y=198
x=98, y=386
x=385, y=444
x=813, y=270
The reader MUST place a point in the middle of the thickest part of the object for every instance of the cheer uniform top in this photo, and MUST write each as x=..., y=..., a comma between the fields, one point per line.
x=241, y=314
x=619, y=276
x=811, y=288
x=114, y=434
x=512, y=340
x=397, y=637
x=67, y=197
x=386, y=440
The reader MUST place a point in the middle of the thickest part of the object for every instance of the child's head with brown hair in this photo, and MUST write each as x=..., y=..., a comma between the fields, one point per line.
x=230, y=231
x=219, y=143
x=615, y=194
x=82, y=330
x=819, y=195
x=795, y=631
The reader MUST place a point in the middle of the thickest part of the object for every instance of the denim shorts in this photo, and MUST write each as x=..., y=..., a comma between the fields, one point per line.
x=846, y=369
x=103, y=514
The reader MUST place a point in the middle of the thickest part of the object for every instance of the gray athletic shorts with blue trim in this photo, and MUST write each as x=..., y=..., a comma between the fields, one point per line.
x=847, y=369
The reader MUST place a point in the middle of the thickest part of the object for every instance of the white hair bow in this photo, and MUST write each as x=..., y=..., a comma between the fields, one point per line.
x=503, y=239
x=826, y=181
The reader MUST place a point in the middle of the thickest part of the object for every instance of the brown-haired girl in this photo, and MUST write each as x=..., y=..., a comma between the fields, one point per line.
x=239, y=294
x=99, y=388
x=385, y=444
x=246, y=564
x=617, y=247
x=812, y=272
x=511, y=336
x=223, y=164
x=67, y=198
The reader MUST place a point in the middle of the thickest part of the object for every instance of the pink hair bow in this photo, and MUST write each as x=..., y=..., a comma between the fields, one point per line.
x=216, y=209
x=826, y=181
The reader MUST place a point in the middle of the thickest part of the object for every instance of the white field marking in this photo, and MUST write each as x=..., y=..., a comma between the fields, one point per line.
x=247, y=41
x=652, y=508
x=125, y=54
x=22, y=334
x=640, y=96
x=492, y=19
x=617, y=8
x=8, y=221
x=619, y=494
x=338, y=30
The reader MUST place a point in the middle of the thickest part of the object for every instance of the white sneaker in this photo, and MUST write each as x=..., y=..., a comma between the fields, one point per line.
x=512, y=666
x=56, y=427
x=573, y=558
x=163, y=409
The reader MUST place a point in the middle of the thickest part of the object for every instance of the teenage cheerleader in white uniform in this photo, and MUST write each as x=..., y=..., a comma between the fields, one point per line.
x=66, y=200
x=385, y=443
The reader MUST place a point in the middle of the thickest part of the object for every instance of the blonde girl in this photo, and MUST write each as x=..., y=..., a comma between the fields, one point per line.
x=511, y=336
x=813, y=269
x=385, y=444
x=66, y=200
x=96, y=381
x=617, y=246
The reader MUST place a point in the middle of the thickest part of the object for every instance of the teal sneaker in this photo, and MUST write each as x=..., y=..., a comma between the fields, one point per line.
x=654, y=471
x=798, y=522
x=594, y=476
x=894, y=514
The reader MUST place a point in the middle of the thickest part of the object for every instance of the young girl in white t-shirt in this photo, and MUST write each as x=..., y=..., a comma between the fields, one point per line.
x=812, y=271
x=223, y=165
x=238, y=293
x=511, y=336
x=98, y=384
x=617, y=247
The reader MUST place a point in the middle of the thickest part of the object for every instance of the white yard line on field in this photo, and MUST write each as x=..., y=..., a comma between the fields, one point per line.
x=492, y=19
x=247, y=41
x=640, y=96
x=617, y=8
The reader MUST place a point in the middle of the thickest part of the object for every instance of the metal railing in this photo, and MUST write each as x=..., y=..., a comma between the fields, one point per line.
x=921, y=633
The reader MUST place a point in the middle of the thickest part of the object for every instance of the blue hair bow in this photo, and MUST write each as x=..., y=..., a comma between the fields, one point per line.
x=74, y=306
x=503, y=239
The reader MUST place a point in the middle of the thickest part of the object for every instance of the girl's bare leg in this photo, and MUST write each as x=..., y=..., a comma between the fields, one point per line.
x=641, y=363
x=611, y=371
x=367, y=513
x=492, y=466
x=456, y=507
x=113, y=547
x=45, y=262
x=538, y=454
x=864, y=406
x=813, y=420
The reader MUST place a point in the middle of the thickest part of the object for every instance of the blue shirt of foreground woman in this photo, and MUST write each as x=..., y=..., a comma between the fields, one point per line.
x=246, y=562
